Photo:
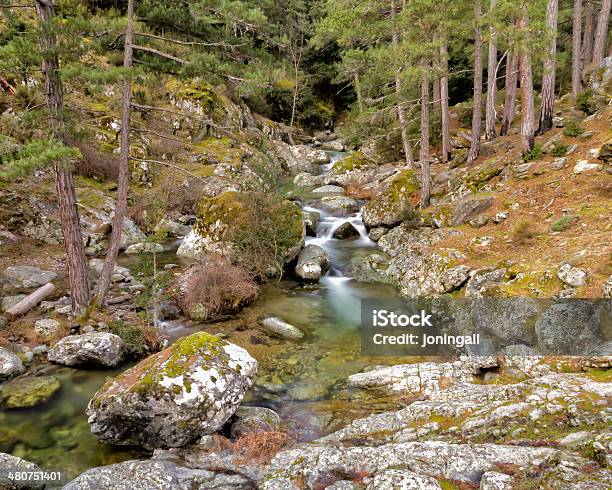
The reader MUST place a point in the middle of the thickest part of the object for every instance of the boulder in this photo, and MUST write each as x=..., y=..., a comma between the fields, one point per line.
x=97, y=349
x=299, y=158
x=312, y=263
x=402, y=479
x=28, y=392
x=311, y=221
x=334, y=145
x=376, y=234
x=500, y=217
x=605, y=153
x=180, y=394
x=414, y=379
x=482, y=281
x=251, y=420
x=304, y=179
x=281, y=328
x=345, y=231
x=12, y=464
x=492, y=480
x=9, y=301
x=46, y=326
x=371, y=268
x=394, y=204
x=570, y=328
x=453, y=278
x=145, y=247
x=572, y=276
x=559, y=163
x=27, y=277
x=606, y=289
x=583, y=166
x=173, y=228
x=10, y=364
x=338, y=205
x=149, y=474
x=220, y=214
x=328, y=189
x=479, y=221
x=469, y=208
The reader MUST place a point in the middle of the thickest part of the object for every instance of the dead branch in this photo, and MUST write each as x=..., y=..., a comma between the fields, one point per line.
x=170, y=165
x=30, y=301
x=161, y=54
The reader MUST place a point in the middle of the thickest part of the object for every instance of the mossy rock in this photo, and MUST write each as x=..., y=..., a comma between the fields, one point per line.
x=394, y=205
x=184, y=392
x=29, y=392
x=353, y=161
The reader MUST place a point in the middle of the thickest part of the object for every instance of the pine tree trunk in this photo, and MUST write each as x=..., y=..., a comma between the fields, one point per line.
x=358, y=92
x=576, y=35
x=601, y=35
x=490, y=133
x=71, y=227
x=124, y=160
x=527, y=109
x=446, y=144
x=548, y=78
x=511, y=83
x=477, y=114
x=587, y=37
x=400, y=99
x=424, y=155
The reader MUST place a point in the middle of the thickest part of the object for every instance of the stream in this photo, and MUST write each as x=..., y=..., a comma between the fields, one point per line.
x=305, y=382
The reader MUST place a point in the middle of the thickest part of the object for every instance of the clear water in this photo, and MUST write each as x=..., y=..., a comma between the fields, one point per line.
x=304, y=381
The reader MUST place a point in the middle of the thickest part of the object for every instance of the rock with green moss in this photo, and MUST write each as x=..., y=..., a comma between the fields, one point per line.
x=393, y=205
x=10, y=364
x=170, y=399
x=28, y=392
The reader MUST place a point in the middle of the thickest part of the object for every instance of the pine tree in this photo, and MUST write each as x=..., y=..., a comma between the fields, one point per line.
x=511, y=86
x=576, y=54
x=601, y=35
x=124, y=175
x=526, y=80
x=548, y=79
x=73, y=240
x=446, y=143
x=477, y=113
x=424, y=155
x=490, y=133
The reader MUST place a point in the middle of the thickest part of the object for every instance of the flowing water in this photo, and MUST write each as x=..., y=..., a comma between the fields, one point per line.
x=305, y=381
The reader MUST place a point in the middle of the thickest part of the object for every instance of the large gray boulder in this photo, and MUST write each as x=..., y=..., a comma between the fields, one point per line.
x=394, y=204
x=96, y=348
x=10, y=364
x=154, y=475
x=572, y=276
x=311, y=221
x=570, y=328
x=338, y=205
x=26, y=277
x=12, y=464
x=249, y=420
x=312, y=263
x=176, y=396
x=305, y=179
x=468, y=209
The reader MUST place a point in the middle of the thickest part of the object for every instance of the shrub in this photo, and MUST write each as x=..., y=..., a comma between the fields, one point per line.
x=524, y=231
x=213, y=288
x=573, y=128
x=139, y=339
x=95, y=163
x=266, y=230
x=585, y=102
x=559, y=150
x=563, y=223
x=534, y=154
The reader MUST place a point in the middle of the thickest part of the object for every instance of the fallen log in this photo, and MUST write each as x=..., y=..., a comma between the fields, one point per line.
x=30, y=301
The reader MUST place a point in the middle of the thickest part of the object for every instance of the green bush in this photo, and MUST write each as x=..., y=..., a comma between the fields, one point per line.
x=563, y=223
x=573, y=128
x=534, y=154
x=139, y=339
x=585, y=102
x=559, y=150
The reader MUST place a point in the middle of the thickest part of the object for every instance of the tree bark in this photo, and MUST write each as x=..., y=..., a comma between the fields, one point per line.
x=477, y=114
x=548, y=78
x=587, y=37
x=527, y=109
x=511, y=83
x=124, y=159
x=576, y=35
x=401, y=115
x=601, y=35
x=446, y=144
x=490, y=133
x=424, y=155
x=71, y=225
x=358, y=92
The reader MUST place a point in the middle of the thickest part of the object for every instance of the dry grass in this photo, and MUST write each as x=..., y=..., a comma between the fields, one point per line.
x=260, y=446
x=215, y=286
x=357, y=190
x=524, y=231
